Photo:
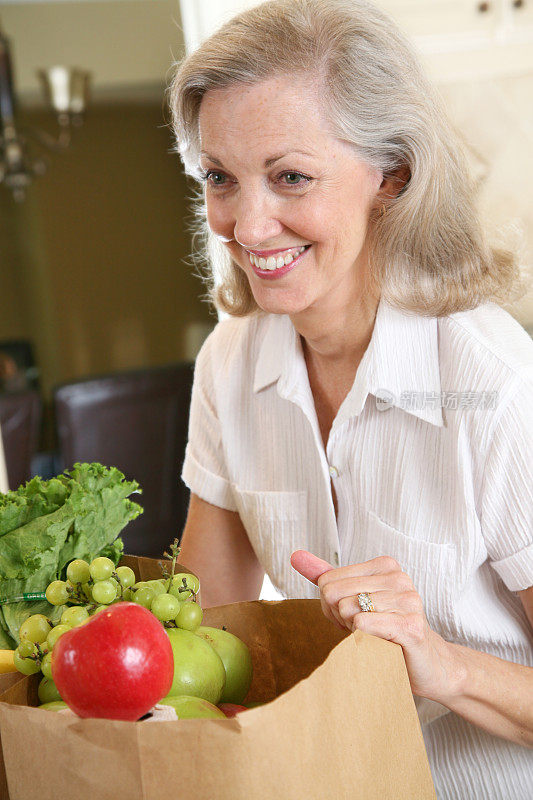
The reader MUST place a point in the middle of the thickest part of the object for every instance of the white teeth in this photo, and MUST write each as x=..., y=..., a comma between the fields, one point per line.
x=275, y=262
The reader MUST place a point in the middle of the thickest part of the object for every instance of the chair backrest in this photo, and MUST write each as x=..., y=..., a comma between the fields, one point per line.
x=136, y=421
x=21, y=353
x=20, y=420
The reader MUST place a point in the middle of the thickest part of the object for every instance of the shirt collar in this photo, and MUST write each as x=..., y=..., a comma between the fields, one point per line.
x=277, y=352
x=400, y=366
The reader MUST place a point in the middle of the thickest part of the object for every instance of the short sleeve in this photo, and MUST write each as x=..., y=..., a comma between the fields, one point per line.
x=507, y=494
x=204, y=469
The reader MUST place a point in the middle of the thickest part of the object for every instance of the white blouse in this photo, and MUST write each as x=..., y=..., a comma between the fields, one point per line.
x=431, y=457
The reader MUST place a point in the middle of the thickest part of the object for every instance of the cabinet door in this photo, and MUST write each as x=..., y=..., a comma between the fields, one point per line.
x=445, y=17
x=517, y=17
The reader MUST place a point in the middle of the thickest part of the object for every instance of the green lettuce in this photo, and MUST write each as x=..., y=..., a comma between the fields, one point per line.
x=46, y=524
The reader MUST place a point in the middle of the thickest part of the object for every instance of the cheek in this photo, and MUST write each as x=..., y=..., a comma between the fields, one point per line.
x=235, y=252
x=219, y=220
x=352, y=221
x=334, y=222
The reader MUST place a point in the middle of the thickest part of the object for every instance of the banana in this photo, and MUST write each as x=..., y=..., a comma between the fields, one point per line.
x=6, y=661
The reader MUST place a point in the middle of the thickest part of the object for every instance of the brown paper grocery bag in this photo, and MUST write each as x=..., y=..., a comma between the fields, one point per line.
x=14, y=688
x=150, y=568
x=339, y=722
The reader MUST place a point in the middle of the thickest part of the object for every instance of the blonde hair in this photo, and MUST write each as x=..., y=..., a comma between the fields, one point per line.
x=428, y=252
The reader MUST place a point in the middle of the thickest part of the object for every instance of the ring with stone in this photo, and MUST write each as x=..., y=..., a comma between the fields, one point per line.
x=365, y=602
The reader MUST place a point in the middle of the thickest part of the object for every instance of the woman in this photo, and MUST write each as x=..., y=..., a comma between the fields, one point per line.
x=363, y=419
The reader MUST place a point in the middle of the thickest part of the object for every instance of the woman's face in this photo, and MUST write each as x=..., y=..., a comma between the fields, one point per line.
x=290, y=201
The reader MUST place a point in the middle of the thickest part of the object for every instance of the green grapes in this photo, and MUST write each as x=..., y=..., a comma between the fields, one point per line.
x=117, y=587
x=78, y=571
x=189, y=616
x=74, y=616
x=28, y=666
x=105, y=591
x=101, y=568
x=46, y=665
x=36, y=628
x=126, y=577
x=184, y=585
x=91, y=588
x=57, y=593
x=191, y=581
x=26, y=649
x=55, y=633
x=165, y=607
x=87, y=590
x=144, y=596
x=158, y=587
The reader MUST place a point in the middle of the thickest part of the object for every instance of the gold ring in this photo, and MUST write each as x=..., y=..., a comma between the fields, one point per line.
x=365, y=602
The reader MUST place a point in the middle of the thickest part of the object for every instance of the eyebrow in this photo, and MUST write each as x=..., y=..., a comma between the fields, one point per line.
x=269, y=161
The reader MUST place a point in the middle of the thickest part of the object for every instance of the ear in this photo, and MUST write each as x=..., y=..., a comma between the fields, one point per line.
x=393, y=183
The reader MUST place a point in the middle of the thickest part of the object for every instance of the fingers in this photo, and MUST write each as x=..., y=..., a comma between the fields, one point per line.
x=314, y=568
x=333, y=589
x=391, y=590
x=309, y=565
x=385, y=602
x=332, y=613
x=383, y=565
x=404, y=629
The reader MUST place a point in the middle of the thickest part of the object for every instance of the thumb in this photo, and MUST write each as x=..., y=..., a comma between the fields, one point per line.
x=308, y=565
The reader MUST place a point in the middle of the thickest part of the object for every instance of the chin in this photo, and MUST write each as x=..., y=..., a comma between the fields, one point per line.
x=277, y=300
x=280, y=306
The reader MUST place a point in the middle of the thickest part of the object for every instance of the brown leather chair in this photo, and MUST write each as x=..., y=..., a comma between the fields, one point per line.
x=136, y=421
x=20, y=421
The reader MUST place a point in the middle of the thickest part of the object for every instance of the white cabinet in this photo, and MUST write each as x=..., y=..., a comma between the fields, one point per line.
x=457, y=38
x=440, y=18
x=468, y=38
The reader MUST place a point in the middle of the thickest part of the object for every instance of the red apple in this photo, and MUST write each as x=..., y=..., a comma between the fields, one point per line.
x=117, y=666
x=231, y=709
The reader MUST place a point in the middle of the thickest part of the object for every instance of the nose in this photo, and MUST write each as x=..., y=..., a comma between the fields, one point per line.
x=256, y=220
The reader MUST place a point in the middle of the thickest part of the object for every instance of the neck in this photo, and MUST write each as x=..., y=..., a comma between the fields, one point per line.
x=338, y=336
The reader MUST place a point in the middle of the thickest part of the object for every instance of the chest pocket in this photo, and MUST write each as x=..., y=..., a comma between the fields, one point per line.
x=430, y=566
x=276, y=524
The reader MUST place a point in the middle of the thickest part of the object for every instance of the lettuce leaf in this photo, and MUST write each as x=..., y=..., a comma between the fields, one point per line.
x=46, y=524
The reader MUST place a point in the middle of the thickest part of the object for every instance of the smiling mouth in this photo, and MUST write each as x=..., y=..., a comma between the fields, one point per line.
x=280, y=259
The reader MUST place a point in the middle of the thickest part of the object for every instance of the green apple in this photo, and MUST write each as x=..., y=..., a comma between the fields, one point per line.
x=237, y=662
x=54, y=705
x=198, y=669
x=47, y=691
x=188, y=707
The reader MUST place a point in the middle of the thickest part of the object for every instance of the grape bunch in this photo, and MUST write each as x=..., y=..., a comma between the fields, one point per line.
x=89, y=589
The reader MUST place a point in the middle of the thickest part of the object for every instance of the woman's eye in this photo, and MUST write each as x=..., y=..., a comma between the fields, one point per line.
x=294, y=178
x=214, y=178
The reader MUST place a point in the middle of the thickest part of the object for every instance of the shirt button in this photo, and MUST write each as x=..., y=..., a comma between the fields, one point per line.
x=334, y=472
x=336, y=559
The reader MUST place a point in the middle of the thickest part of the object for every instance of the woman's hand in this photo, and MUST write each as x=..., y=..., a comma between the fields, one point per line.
x=399, y=616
